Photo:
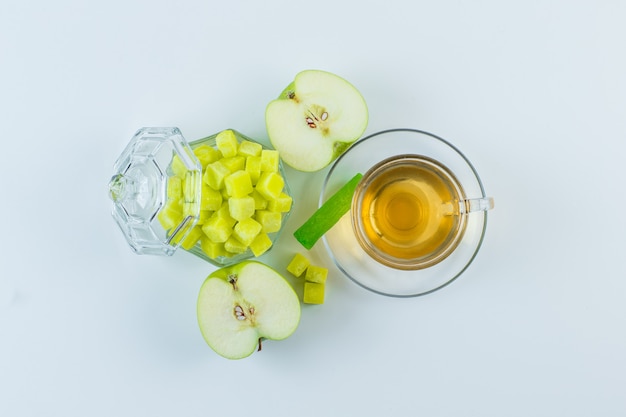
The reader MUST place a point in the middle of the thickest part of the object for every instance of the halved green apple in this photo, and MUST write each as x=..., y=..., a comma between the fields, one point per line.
x=315, y=119
x=240, y=305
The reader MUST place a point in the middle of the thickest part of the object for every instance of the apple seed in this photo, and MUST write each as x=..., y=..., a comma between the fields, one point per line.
x=239, y=313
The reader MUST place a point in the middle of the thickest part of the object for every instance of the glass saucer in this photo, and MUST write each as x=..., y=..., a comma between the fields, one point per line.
x=342, y=244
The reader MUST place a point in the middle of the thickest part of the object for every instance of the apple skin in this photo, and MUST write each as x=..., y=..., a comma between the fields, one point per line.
x=240, y=305
x=310, y=147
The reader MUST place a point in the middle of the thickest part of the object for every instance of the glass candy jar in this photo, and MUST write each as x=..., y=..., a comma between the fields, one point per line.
x=223, y=198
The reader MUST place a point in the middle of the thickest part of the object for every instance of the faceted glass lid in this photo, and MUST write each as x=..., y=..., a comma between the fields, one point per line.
x=139, y=190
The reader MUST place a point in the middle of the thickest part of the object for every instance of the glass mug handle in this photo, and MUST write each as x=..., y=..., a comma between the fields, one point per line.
x=475, y=204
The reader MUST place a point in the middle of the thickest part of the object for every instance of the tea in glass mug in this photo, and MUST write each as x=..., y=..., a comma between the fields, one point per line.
x=408, y=212
x=418, y=216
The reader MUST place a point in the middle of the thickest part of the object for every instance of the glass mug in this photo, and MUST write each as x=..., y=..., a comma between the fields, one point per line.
x=418, y=216
x=408, y=211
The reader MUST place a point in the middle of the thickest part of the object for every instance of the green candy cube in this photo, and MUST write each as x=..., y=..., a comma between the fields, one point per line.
x=206, y=154
x=224, y=213
x=217, y=229
x=298, y=265
x=246, y=230
x=211, y=199
x=260, y=202
x=235, y=163
x=227, y=143
x=269, y=160
x=238, y=184
x=191, y=239
x=212, y=249
x=270, y=185
x=190, y=208
x=313, y=293
x=204, y=216
x=234, y=246
x=248, y=148
x=171, y=214
x=271, y=221
x=241, y=208
x=316, y=274
x=260, y=244
x=178, y=167
x=174, y=188
x=253, y=167
x=281, y=204
x=214, y=175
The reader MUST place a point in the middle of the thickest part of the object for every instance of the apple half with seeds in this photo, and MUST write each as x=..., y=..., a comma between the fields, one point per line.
x=315, y=119
x=243, y=304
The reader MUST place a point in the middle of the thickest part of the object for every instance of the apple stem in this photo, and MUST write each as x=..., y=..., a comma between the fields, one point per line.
x=232, y=279
x=260, y=344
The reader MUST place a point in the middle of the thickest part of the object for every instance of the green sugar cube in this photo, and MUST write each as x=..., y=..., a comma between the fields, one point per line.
x=191, y=239
x=313, y=293
x=171, y=214
x=238, y=184
x=246, y=230
x=211, y=199
x=316, y=274
x=174, y=188
x=224, y=213
x=190, y=182
x=217, y=229
x=281, y=204
x=233, y=245
x=260, y=244
x=269, y=160
x=241, y=207
x=203, y=216
x=270, y=221
x=253, y=167
x=235, y=163
x=298, y=265
x=260, y=203
x=227, y=143
x=190, y=208
x=248, y=148
x=178, y=167
x=212, y=249
x=206, y=154
x=214, y=175
x=270, y=185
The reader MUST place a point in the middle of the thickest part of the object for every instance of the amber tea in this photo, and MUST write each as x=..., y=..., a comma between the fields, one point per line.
x=406, y=212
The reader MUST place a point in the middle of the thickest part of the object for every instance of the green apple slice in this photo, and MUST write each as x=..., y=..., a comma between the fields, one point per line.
x=316, y=118
x=328, y=214
x=240, y=305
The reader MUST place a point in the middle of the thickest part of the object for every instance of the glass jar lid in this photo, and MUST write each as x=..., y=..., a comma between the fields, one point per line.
x=140, y=186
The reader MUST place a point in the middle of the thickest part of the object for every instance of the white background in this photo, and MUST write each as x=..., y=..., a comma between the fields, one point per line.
x=533, y=92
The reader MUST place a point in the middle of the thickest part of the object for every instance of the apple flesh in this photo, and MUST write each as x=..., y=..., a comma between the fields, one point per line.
x=315, y=119
x=240, y=305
